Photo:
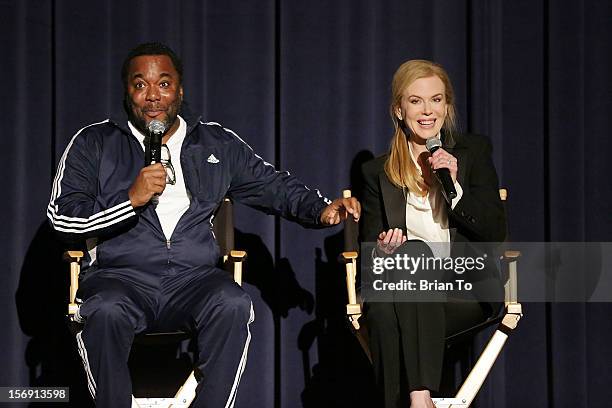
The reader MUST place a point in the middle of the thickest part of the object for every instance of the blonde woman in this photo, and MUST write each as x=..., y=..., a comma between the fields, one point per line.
x=403, y=201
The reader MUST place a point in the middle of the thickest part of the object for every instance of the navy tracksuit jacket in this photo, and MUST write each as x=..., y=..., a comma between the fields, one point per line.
x=135, y=280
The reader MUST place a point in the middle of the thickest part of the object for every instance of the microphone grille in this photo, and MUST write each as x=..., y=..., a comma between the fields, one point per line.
x=156, y=127
x=433, y=143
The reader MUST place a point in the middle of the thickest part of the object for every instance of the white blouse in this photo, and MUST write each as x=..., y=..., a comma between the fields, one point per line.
x=426, y=217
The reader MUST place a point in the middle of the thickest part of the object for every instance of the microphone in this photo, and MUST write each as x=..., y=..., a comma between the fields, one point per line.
x=443, y=174
x=156, y=130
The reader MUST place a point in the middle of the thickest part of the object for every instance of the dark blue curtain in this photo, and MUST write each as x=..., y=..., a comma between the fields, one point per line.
x=307, y=85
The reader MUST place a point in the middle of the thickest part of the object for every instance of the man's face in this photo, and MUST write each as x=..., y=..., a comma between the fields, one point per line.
x=153, y=91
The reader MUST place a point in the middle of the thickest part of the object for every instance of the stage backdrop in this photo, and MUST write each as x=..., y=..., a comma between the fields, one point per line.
x=306, y=84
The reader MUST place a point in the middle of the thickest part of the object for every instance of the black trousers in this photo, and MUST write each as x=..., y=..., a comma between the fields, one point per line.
x=206, y=300
x=410, y=337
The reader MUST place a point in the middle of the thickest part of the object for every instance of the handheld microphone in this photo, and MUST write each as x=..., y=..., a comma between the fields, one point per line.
x=156, y=130
x=443, y=174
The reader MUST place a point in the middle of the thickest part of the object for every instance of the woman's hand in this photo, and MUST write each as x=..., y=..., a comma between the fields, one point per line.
x=389, y=241
x=441, y=159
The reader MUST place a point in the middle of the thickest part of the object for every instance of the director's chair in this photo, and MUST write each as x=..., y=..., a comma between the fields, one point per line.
x=506, y=320
x=223, y=229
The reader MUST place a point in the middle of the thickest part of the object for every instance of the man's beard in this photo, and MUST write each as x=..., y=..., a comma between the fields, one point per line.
x=137, y=116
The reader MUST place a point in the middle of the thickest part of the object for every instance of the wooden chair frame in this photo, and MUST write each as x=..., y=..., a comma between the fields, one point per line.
x=232, y=259
x=507, y=320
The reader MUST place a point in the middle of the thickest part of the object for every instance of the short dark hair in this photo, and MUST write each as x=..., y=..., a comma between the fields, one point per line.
x=152, y=48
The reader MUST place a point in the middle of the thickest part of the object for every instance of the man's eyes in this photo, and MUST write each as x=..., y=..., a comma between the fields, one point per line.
x=142, y=85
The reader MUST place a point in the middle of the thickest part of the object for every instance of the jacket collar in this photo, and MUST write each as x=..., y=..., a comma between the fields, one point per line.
x=452, y=144
x=448, y=140
x=394, y=202
x=393, y=197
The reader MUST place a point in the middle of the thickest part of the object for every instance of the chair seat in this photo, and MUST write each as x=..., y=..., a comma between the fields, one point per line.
x=468, y=334
x=495, y=317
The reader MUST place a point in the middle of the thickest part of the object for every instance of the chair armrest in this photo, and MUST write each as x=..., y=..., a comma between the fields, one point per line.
x=74, y=257
x=237, y=257
x=511, y=254
x=511, y=286
x=348, y=256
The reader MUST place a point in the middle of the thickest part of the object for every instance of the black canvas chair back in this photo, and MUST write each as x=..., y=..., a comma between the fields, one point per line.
x=223, y=227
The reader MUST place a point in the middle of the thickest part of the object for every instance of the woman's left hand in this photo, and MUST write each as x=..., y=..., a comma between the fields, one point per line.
x=389, y=241
x=441, y=159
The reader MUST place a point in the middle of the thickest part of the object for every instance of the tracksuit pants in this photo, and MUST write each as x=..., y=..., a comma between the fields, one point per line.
x=206, y=300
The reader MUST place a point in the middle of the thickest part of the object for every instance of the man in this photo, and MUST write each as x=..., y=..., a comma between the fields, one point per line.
x=152, y=254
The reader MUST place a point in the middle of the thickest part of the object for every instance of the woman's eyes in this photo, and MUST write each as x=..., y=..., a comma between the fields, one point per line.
x=417, y=101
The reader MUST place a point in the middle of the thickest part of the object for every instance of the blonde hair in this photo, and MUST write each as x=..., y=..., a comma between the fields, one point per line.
x=399, y=167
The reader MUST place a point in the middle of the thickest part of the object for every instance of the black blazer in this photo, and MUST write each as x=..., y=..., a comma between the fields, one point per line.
x=478, y=217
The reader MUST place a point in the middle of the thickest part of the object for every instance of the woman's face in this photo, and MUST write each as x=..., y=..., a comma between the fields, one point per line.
x=423, y=107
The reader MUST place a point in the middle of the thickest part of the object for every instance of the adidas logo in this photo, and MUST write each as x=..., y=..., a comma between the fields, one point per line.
x=212, y=159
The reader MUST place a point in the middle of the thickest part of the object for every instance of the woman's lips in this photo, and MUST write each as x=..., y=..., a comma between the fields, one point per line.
x=426, y=123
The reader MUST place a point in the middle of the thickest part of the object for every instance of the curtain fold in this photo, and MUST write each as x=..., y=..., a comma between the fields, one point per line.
x=307, y=85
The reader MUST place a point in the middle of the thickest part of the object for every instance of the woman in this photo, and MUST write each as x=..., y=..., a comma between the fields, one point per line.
x=402, y=200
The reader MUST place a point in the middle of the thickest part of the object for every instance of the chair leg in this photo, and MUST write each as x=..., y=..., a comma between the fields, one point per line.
x=183, y=398
x=449, y=402
x=477, y=376
x=479, y=373
x=362, y=337
x=186, y=394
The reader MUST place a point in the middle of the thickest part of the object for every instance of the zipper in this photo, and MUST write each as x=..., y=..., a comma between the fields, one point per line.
x=168, y=245
x=187, y=179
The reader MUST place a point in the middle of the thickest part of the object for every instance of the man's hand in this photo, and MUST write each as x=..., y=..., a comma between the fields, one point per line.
x=150, y=181
x=339, y=209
